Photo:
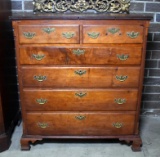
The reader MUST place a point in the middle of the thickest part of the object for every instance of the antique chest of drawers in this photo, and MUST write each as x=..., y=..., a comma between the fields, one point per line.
x=80, y=76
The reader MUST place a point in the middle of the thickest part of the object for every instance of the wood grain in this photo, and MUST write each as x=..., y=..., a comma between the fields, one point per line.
x=93, y=124
x=88, y=55
x=54, y=37
x=94, y=77
x=107, y=37
x=93, y=100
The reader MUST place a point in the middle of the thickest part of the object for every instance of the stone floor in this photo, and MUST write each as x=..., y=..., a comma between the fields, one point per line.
x=150, y=133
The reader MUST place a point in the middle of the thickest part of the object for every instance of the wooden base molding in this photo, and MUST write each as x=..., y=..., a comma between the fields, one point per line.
x=135, y=142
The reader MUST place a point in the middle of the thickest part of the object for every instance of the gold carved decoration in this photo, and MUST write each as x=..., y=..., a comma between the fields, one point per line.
x=29, y=35
x=111, y=6
x=80, y=117
x=81, y=94
x=118, y=125
x=38, y=57
x=41, y=101
x=42, y=125
x=93, y=35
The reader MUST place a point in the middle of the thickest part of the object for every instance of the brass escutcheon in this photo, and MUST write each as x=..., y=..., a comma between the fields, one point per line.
x=41, y=101
x=81, y=94
x=120, y=101
x=68, y=35
x=38, y=57
x=48, y=30
x=113, y=30
x=78, y=52
x=117, y=125
x=42, y=125
x=80, y=117
x=80, y=72
x=121, y=78
x=40, y=78
x=29, y=35
x=93, y=35
x=122, y=57
x=133, y=34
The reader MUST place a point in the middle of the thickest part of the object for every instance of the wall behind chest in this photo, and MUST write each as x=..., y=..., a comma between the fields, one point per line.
x=151, y=99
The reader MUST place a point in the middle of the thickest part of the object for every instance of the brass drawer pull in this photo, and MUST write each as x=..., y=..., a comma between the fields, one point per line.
x=121, y=78
x=40, y=78
x=80, y=117
x=41, y=101
x=48, y=30
x=120, y=101
x=29, y=35
x=42, y=125
x=122, y=57
x=113, y=30
x=38, y=57
x=78, y=52
x=80, y=72
x=81, y=94
x=133, y=34
x=68, y=35
x=118, y=125
x=94, y=35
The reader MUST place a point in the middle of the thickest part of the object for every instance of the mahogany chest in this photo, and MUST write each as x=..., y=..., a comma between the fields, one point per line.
x=81, y=76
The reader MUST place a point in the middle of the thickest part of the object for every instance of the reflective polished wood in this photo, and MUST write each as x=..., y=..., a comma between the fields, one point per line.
x=86, y=86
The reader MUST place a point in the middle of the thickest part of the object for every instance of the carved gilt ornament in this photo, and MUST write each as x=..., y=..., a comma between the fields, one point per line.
x=110, y=6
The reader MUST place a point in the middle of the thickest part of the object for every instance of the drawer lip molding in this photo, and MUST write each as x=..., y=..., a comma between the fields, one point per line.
x=92, y=100
x=48, y=34
x=93, y=123
x=124, y=34
x=81, y=55
x=68, y=78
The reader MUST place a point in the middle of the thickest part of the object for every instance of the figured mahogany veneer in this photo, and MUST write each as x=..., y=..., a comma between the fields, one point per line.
x=106, y=55
x=92, y=77
x=80, y=100
x=53, y=34
x=93, y=124
x=86, y=83
x=118, y=35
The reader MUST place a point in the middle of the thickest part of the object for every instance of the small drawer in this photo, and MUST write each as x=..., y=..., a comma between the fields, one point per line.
x=42, y=55
x=80, y=100
x=48, y=34
x=84, y=124
x=81, y=77
x=129, y=55
x=112, y=34
x=111, y=55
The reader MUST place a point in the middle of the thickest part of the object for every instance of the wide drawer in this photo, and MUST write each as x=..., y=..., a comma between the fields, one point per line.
x=130, y=55
x=112, y=34
x=80, y=77
x=84, y=124
x=80, y=100
x=48, y=34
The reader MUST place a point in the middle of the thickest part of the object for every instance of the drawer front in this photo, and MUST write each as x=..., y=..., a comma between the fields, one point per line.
x=81, y=77
x=42, y=55
x=112, y=34
x=80, y=124
x=81, y=55
x=48, y=34
x=80, y=100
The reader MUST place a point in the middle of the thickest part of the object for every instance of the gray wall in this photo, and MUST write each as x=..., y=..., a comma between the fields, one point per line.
x=151, y=92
